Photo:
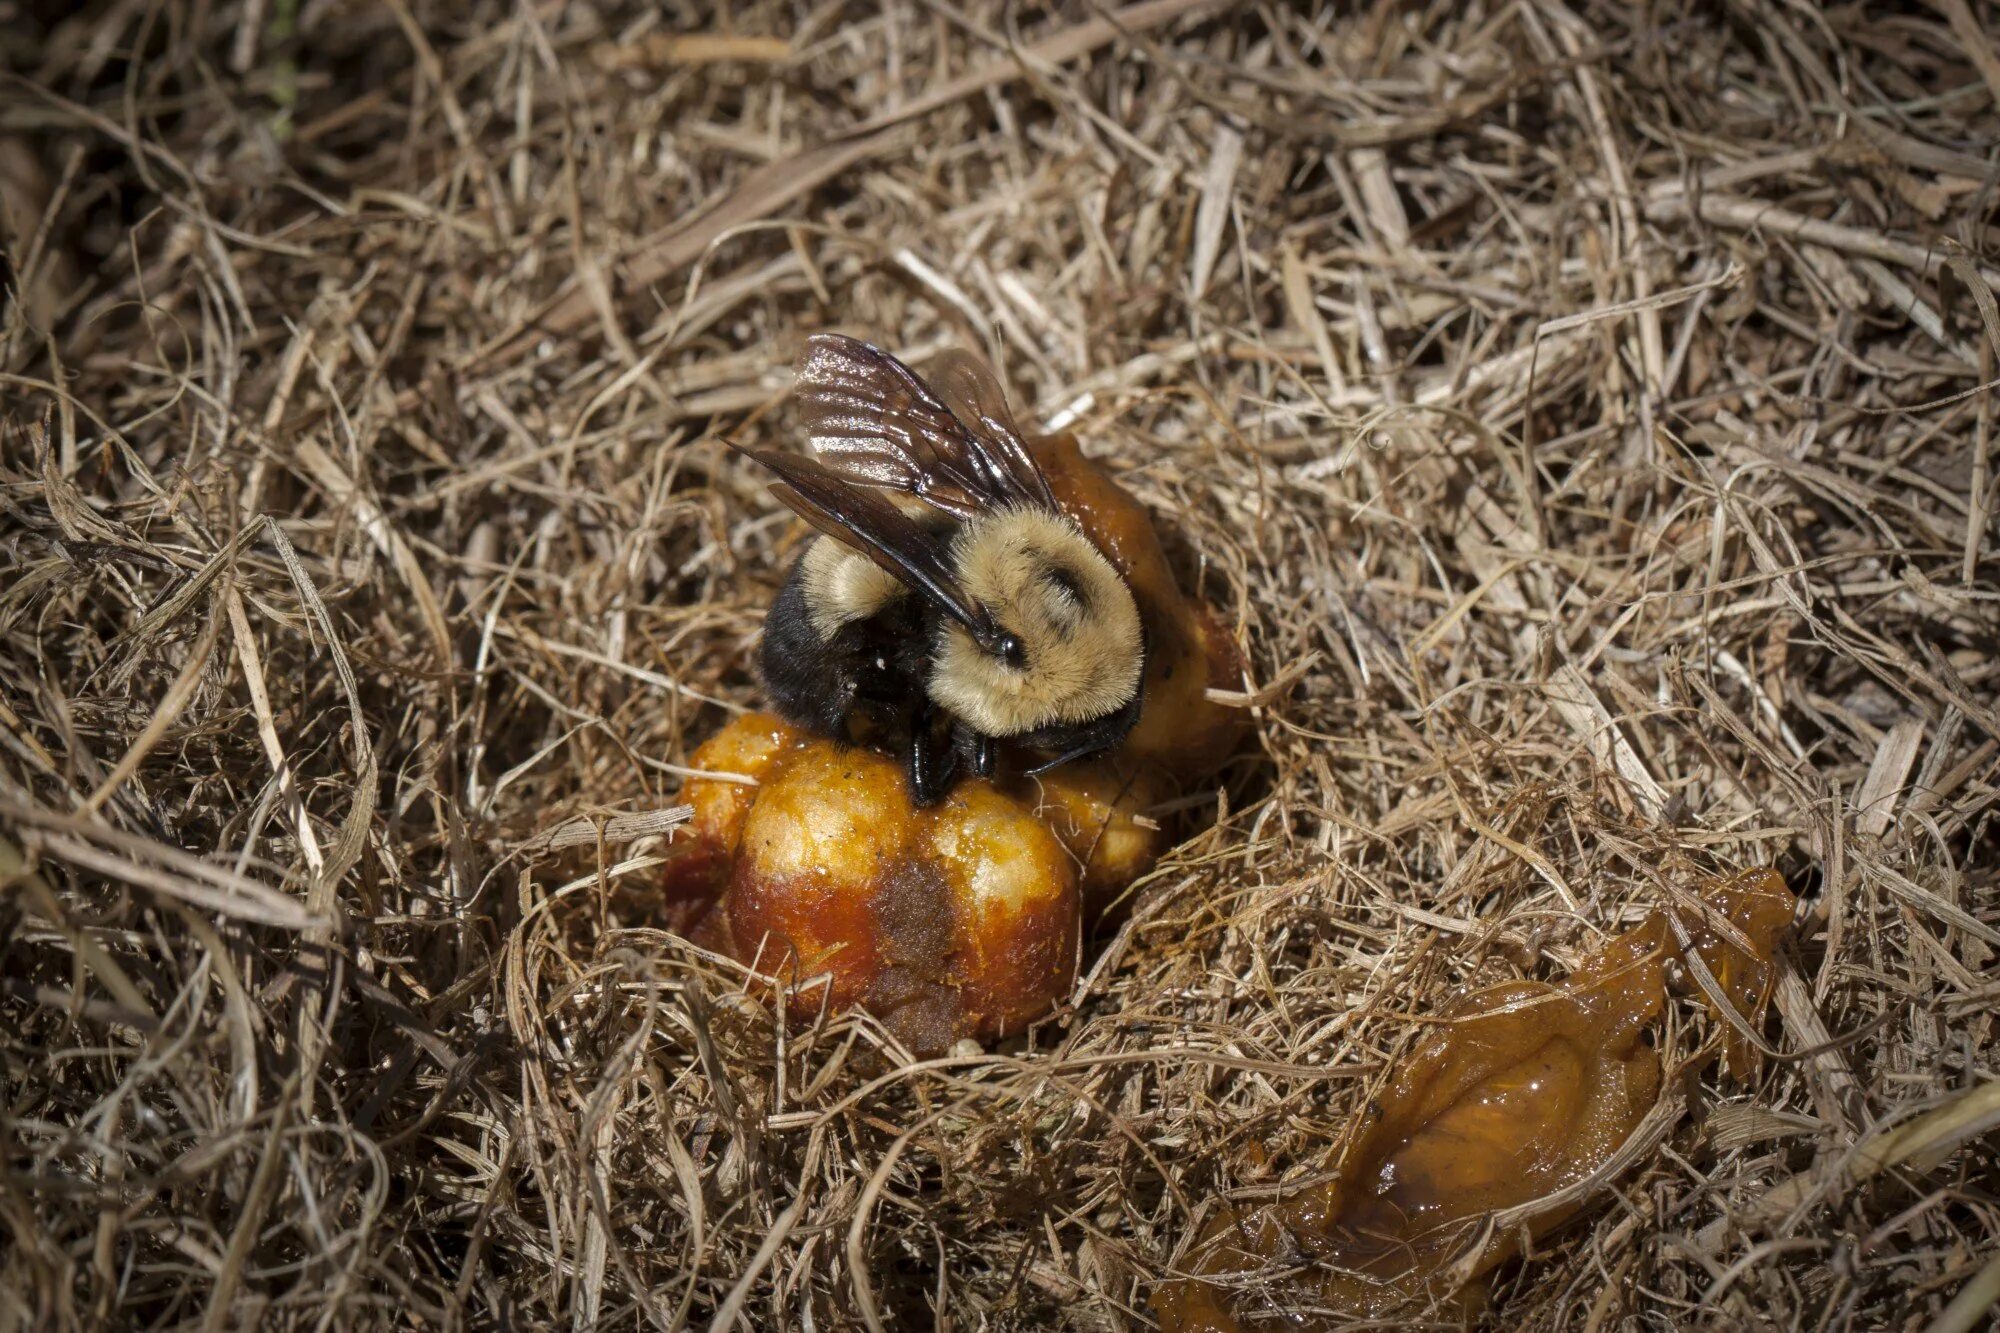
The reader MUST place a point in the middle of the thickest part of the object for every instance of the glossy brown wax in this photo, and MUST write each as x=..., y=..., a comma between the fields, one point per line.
x=1519, y=1092
x=1736, y=935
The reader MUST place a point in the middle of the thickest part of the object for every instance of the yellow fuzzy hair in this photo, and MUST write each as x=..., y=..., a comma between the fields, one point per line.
x=1083, y=658
x=842, y=586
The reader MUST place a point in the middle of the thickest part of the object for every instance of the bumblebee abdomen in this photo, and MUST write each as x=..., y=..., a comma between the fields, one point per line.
x=807, y=686
x=836, y=639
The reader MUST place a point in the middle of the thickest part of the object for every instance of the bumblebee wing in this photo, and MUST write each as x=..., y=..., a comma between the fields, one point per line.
x=860, y=517
x=971, y=392
x=874, y=422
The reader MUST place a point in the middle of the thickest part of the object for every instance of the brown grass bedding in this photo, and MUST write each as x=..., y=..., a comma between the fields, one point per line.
x=1580, y=411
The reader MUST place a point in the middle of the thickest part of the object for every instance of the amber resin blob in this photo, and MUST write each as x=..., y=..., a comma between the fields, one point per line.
x=1519, y=1093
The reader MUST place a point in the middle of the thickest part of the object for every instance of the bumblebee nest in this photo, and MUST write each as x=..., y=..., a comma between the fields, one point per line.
x=1584, y=423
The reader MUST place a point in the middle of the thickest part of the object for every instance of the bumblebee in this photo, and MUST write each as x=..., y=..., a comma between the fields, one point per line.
x=949, y=603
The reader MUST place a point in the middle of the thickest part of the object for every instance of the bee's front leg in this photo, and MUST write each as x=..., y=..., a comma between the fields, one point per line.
x=933, y=759
x=980, y=751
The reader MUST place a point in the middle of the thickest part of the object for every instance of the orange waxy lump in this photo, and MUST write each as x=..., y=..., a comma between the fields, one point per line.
x=956, y=921
x=1095, y=810
x=1519, y=1092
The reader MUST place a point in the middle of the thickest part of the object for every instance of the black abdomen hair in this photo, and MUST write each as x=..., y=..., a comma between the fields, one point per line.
x=875, y=664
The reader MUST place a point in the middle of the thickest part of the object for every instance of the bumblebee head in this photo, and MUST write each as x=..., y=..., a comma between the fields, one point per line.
x=1067, y=648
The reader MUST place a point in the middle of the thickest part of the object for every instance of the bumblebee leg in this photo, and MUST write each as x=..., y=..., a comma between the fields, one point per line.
x=982, y=751
x=1067, y=756
x=1085, y=739
x=1073, y=743
x=933, y=760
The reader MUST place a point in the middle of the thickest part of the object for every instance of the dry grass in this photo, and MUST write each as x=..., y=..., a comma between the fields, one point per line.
x=1580, y=408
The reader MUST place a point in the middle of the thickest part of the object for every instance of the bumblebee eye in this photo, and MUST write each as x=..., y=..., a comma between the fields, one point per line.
x=1009, y=649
